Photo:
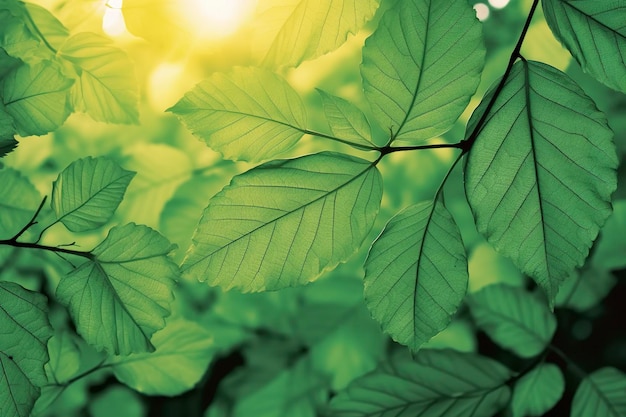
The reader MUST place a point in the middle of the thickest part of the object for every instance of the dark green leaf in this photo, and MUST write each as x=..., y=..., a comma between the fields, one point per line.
x=595, y=34
x=7, y=132
x=416, y=274
x=88, y=191
x=285, y=222
x=442, y=383
x=37, y=97
x=121, y=297
x=513, y=318
x=422, y=65
x=610, y=251
x=25, y=331
x=18, y=201
x=540, y=175
x=248, y=114
x=538, y=391
x=585, y=288
x=601, y=394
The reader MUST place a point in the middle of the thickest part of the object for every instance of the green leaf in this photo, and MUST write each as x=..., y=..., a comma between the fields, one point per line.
x=7, y=132
x=248, y=114
x=87, y=192
x=106, y=89
x=50, y=28
x=23, y=353
x=37, y=97
x=440, y=383
x=119, y=298
x=7, y=63
x=540, y=175
x=585, y=288
x=346, y=120
x=595, y=34
x=18, y=201
x=513, y=318
x=610, y=252
x=302, y=37
x=183, y=352
x=418, y=73
x=416, y=274
x=538, y=391
x=601, y=394
x=285, y=222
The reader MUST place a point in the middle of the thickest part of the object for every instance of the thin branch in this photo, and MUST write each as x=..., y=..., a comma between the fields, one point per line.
x=385, y=150
x=16, y=244
x=570, y=363
x=32, y=221
x=467, y=144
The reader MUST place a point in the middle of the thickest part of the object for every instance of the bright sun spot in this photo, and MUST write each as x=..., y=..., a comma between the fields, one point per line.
x=482, y=11
x=214, y=19
x=113, y=19
x=498, y=4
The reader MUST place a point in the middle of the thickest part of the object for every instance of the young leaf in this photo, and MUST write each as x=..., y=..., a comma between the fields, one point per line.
x=285, y=222
x=601, y=394
x=419, y=72
x=119, y=298
x=37, y=97
x=346, y=120
x=538, y=391
x=106, y=89
x=25, y=329
x=513, y=318
x=248, y=114
x=183, y=352
x=302, y=37
x=595, y=34
x=540, y=175
x=416, y=274
x=87, y=192
x=18, y=202
x=440, y=383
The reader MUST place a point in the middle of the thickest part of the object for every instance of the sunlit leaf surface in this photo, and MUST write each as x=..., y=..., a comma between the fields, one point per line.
x=346, y=120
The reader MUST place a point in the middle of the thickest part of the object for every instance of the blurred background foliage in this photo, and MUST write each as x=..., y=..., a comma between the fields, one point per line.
x=284, y=353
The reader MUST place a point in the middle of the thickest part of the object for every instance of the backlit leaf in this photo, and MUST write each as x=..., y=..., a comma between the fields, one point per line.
x=314, y=27
x=541, y=172
x=439, y=383
x=601, y=394
x=106, y=88
x=416, y=274
x=595, y=34
x=513, y=318
x=87, y=192
x=18, y=202
x=285, y=222
x=538, y=391
x=422, y=65
x=25, y=330
x=248, y=114
x=346, y=120
x=183, y=352
x=37, y=97
x=120, y=298
x=7, y=132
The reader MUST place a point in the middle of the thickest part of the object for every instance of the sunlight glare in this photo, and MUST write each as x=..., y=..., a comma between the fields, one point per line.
x=498, y=4
x=113, y=19
x=482, y=11
x=215, y=19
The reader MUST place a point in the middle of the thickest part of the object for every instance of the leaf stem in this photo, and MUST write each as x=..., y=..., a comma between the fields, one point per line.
x=32, y=221
x=570, y=363
x=467, y=144
x=387, y=149
x=360, y=146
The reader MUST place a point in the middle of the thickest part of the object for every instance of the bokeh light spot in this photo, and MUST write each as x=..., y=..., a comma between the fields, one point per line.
x=482, y=11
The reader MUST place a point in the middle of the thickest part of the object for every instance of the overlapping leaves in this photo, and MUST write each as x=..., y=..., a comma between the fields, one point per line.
x=540, y=175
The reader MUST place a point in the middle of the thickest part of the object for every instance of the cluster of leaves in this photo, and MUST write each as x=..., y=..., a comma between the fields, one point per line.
x=539, y=171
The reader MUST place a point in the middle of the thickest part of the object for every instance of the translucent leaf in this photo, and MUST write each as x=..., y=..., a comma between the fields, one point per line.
x=422, y=65
x=585, y=288
x=302, y=37
x=601, y=394
x=64, y=357
x=541, y=172
x=513, y=318
x=25, y=329
x=48, y=26
x=346, y=120
x=416, y=274
x=285, y=222
x=118, y=299
x=18, y=201
x=106, y=89
x=87, y=192
x=183, y=352
x=440, y=383
x=37, y=97
x=538, y=391
x=248, y=114
x=595, y=34
x=7, y=131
